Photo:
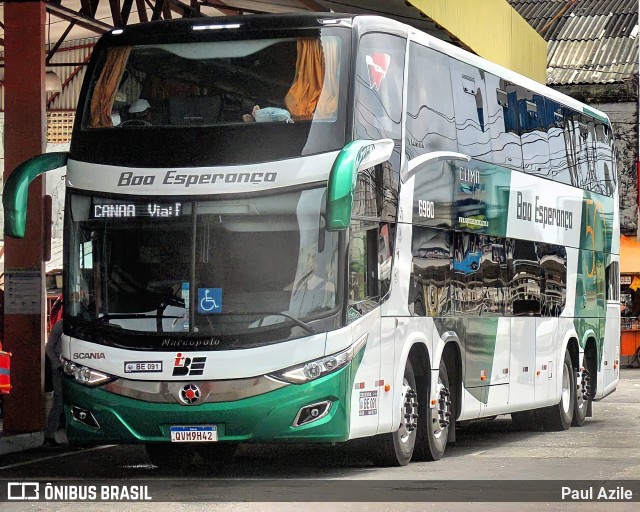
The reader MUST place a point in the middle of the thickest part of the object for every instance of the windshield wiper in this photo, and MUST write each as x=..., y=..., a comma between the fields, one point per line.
x=297, y=321
x=108, y=316
x=309, y=328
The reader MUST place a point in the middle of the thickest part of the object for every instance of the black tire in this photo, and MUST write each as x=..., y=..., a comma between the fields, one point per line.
x=396, y=448
x=438, y=420
x=217, y=457
x=523, y=420
x=170, y=456
x=559, y=417
x=581, y=406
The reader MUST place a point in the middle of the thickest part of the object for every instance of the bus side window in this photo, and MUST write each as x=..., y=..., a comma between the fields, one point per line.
x=430, y=116
x=613, y=281
x=379, y=84
x=430, y=281
x=470, y=107
x=369, y=271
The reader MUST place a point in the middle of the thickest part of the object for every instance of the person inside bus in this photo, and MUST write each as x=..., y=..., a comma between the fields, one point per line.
x=139, y=114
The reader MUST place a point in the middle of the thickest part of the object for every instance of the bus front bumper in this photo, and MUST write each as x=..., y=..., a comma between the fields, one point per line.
x=95, y=416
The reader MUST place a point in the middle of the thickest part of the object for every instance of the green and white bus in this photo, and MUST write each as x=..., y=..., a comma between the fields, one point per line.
x=320, y=228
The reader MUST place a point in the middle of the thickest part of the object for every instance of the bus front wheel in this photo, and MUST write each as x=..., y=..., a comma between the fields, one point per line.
x=396, y=448
x=169, y=456
x=214, y=457
x=218, y=456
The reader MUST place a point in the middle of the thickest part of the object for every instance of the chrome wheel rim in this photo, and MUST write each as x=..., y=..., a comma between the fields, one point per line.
x=566, y=389
x=409, y=412
x=441, y=419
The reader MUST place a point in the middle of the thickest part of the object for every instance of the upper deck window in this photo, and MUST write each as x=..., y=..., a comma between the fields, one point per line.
x=213, y=99
x=279, y=80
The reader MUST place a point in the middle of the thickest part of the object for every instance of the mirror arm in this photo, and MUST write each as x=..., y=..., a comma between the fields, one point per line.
x=353, y=158
x=16, y=189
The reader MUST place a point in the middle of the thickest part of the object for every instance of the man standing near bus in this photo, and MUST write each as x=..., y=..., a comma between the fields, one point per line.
x=53, y=351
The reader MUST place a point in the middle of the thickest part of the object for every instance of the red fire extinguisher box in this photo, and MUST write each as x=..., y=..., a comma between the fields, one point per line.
x=5, y=372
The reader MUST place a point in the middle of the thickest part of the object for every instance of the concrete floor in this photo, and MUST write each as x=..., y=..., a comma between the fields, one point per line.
x=490, y=460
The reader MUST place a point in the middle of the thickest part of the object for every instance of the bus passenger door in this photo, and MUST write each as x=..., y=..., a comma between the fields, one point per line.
x=368, y=281
x=365, y=393
x=522, y=364
x=611, y=329
x=548, y=339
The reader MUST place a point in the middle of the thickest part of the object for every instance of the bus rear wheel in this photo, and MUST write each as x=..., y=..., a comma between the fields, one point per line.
x=582, y=398
x=396, y=448
x=439, y=418
x=560, y=416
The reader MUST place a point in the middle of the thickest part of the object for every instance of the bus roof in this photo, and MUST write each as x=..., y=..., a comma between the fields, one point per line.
x=507, y=74
x=144, y=32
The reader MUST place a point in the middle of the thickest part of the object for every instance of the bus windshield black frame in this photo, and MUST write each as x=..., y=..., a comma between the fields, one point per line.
x=153, y=272
x=186, y=98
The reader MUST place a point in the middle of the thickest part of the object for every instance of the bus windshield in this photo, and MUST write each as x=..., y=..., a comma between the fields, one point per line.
x=258, y=99
x=254, y=270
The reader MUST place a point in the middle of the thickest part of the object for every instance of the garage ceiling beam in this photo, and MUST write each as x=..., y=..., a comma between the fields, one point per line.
x=142, y=11
x=311, y=5
x=166, y=9
x=53, y=50
x=80, y=18
x=221, y=6
x=89, y=7
x=157, y=10
x=126, y=11
x=71, y=76
x=115, y=13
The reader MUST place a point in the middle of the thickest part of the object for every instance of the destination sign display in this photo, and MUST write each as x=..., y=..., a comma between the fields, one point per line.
x=103, y=209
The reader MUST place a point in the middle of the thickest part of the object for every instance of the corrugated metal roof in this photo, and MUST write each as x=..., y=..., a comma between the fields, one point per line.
x=581, y=28
x=539, y=12
x=535, y=10
x=594, y=41
x=606, y=60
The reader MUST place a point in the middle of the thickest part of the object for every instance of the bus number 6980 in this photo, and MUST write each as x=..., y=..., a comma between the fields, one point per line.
x=426, y=209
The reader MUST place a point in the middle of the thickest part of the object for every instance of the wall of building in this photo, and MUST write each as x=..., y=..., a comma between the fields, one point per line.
x=620, y=102
x=493, y=30
x=624, y=119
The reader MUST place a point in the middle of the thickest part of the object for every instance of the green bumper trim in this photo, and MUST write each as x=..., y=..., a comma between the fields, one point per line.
x=264, y=418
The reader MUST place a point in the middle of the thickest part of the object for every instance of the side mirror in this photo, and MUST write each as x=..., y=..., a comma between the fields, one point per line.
x=16, y=190
x=354, y=157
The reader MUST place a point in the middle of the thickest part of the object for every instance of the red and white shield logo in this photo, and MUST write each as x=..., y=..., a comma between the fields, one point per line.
x=378, y=63
x=189, y=394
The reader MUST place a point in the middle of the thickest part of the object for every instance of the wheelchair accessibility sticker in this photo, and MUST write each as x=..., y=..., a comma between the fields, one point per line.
x=209, y=300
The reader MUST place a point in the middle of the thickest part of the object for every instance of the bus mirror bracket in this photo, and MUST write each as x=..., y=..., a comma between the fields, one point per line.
x=419, y=163
x=16, y=189
x=353, y=158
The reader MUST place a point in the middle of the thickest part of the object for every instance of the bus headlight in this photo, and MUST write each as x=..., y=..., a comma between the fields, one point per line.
x=84, y=375
x=317, y=368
